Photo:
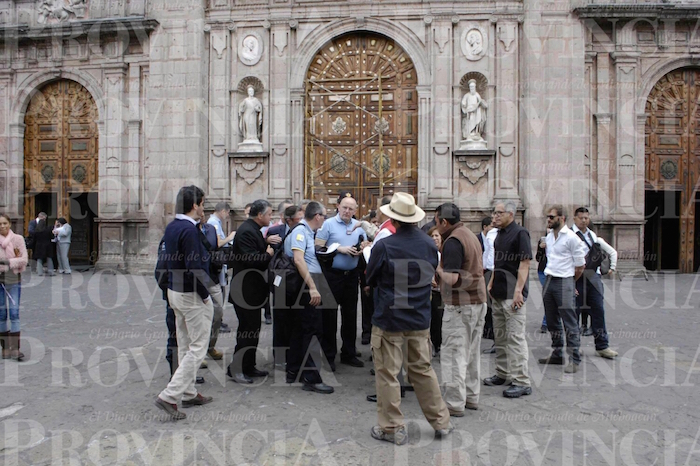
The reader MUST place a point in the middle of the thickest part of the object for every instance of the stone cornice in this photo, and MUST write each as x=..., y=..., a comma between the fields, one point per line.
x=630, y=11
x=75, y=29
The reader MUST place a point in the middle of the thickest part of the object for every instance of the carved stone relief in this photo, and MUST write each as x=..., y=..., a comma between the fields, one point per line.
x=474, y=42
x=250, y=49
x=58, y=11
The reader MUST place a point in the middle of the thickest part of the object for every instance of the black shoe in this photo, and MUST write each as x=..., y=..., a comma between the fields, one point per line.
x=494, y=380
x=587, y=332
x=224, y=328
x=358, y=354
x=543, y=329
x=332, y=366
x=318, y=388
x=257, y=373
x=352, y=361
x=365, y=340
x=291, y=377
x=241, y=378
x=550, y=360
x=373, y=398
x=371, y=371
x=409, y=388
x=516, y=391
x=199, y=380
x=268, y=321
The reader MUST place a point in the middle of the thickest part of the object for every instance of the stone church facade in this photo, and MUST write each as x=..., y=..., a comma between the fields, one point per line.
x=108, y=107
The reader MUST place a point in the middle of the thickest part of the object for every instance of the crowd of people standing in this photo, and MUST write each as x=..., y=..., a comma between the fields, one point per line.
x=423, y=296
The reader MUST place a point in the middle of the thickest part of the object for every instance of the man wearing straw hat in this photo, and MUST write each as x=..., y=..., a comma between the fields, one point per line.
x=401, y=269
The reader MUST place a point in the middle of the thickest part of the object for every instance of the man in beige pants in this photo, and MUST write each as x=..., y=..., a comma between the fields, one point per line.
x=401, y=269
x=461, y=275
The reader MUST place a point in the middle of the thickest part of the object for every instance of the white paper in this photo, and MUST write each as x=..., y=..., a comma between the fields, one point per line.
x=331, y=248
x=277, y=281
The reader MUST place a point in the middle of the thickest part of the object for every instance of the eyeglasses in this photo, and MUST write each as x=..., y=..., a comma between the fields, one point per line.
x=325, y=217
x=497, y=213
x=551, y=217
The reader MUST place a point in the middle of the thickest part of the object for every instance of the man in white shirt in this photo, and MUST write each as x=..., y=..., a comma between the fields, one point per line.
x=222, y=211
x=590, y=286
x=566, y=259
x=488, y=236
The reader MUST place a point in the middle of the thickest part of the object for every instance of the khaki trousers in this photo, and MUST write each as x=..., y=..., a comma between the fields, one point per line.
x=511, y=345
x=387, y=354
x=193, y=321
x=217, y=298
x=460, y=356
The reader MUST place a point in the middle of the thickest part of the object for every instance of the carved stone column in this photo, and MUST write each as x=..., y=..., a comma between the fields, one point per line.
x=219, y=85
x=112, y=196
x=297, y=128
x=507, y=64
x=625, y=131
x=280, y=187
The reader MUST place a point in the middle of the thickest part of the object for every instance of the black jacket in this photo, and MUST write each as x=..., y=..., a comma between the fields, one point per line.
x=277, y=230
x=43, y=247
x=249, y=288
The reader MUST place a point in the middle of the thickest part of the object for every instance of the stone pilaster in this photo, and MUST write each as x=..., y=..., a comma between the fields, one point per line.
x=279, y=166
x=113, y=200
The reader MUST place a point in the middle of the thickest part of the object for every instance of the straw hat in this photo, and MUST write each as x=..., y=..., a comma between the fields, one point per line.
x=403, y=208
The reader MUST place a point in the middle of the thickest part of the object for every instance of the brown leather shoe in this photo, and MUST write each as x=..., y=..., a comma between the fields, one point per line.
x=471, y=405
x=170, y=408
x=215, y=354
x=5, y=344
x=198, y=400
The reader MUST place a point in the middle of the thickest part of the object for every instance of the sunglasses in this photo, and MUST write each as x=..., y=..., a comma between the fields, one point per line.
x=552, y=217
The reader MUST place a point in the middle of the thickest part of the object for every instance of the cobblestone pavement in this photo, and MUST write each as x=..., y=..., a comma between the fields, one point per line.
x=95, y=346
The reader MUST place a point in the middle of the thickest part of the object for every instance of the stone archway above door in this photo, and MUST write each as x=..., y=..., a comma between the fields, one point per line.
x=361, y=120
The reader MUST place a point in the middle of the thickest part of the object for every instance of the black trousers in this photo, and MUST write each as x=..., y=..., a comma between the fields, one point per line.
x=171, y=348
x=305, y=332
x=343, y=285
x=367, y=312
x=560, y=303
x=488, y=323
x=436, y=311
x=247, y=336
x=281, y=331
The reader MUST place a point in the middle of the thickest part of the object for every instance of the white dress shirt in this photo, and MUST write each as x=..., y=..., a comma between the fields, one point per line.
x=381, y=234
x=564, y=253
x=592, y=238
x=487, y=256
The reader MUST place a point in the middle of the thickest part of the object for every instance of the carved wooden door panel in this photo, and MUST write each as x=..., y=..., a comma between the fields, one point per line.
x=60, y=161
x=672, y=149
x=350, y=122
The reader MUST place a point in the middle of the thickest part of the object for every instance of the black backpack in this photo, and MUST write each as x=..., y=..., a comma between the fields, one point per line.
x=595, y=256
x=161, y=271
x=282, y=272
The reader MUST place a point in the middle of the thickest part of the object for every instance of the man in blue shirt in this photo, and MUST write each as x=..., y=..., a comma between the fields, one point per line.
x=304, y=318
x=188, y=295
x=343, y=280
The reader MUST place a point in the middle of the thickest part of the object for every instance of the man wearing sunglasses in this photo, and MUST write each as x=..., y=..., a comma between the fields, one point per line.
x=508, y=290
x=566, y=259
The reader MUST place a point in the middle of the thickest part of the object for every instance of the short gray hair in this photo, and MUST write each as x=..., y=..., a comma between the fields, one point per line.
x=312, y=209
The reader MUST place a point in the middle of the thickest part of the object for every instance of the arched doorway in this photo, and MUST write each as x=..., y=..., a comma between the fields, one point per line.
x=361, y=102
x=60, y=162
x=672, y=148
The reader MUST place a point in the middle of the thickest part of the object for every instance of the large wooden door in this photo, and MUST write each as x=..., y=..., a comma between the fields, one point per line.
x=362, y=125
x=60, y=162
x=672, y=149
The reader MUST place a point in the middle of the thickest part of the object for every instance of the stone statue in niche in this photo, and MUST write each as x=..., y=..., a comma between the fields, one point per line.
x=473, y=119
x=250, y=117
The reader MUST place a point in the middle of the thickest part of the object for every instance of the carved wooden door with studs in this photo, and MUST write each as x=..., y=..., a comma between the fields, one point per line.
x=672, y=152
x=60, y=162
x=361, y=102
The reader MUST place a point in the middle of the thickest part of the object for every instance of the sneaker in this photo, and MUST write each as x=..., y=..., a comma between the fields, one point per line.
x=398, y=437
x=571, y=368
x=494, y=380
x=471, y=405
x=170, y=409
x=215, y=354
x=198, y=400
x=224, y=328
x=607, y=353
x=442, y=433
x=204, y=365
x=516, y=391
x=455, y=413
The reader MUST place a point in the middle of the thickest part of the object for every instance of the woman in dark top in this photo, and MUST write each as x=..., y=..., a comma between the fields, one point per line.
x=43, y=248
x=436, y=307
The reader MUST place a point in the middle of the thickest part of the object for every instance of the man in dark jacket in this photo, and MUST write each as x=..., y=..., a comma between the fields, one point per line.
x=401, y=269
x=188, y=295
x=249, y=290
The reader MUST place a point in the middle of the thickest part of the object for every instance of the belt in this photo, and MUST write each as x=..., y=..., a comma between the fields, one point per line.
x=558, y=278
x=342, y=272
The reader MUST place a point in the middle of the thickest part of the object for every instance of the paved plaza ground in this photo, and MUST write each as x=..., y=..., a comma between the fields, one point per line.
x=95, y=346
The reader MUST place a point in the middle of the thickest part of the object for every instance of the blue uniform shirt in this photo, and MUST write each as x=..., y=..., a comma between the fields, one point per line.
x=334, y=230
x=302, y=239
